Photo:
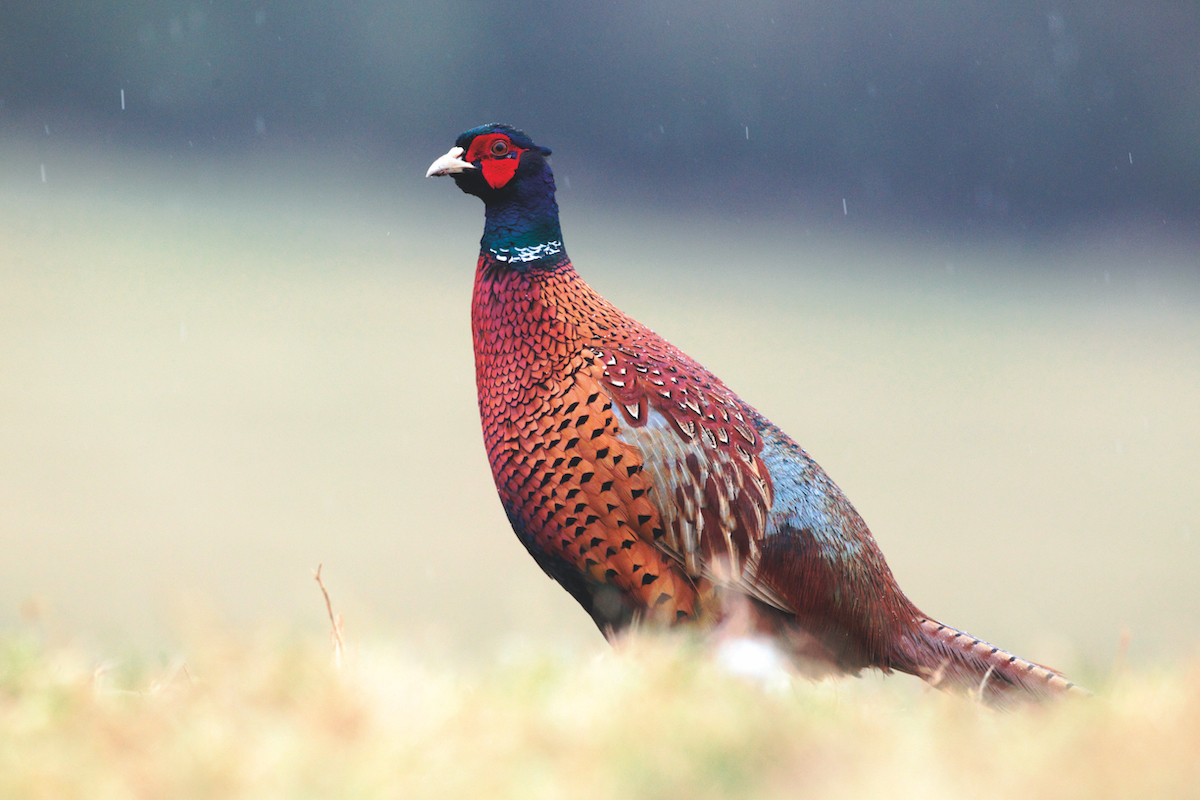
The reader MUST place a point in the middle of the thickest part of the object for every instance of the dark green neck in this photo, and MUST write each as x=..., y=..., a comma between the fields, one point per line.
x=521, y=226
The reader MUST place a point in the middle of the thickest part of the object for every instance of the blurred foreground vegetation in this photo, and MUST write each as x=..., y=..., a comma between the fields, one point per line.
x=277, y=718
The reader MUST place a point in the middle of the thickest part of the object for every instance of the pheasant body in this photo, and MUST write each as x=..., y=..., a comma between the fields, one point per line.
x=647, y=488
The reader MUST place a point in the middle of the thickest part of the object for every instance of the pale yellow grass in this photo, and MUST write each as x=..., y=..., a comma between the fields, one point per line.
x=262, y=718
x=215, y=374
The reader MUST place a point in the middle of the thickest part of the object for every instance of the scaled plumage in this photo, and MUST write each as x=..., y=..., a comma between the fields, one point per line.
x=648, y=489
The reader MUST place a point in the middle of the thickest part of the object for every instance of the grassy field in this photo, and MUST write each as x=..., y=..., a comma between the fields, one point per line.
x=217, y=372
x=273, y=717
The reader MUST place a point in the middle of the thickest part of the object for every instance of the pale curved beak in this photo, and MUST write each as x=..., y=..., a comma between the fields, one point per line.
x=449, y=164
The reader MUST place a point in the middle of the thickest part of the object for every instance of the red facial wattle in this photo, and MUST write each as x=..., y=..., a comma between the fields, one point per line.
x=499, y=158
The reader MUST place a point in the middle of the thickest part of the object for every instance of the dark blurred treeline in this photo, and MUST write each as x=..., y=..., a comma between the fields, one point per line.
x=1027, y=114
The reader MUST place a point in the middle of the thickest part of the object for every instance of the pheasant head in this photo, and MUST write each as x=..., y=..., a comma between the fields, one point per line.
x=503, y=167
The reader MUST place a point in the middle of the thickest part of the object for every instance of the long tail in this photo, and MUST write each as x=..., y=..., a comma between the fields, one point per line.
x=952, y=659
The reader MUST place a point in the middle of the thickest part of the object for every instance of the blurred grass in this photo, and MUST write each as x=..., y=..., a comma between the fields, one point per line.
x=215, y=375
x=270, y=717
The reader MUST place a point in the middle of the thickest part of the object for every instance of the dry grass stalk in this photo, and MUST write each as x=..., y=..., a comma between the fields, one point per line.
x=335, y=620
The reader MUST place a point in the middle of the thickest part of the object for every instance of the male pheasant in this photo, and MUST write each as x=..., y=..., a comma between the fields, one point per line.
x=649, y=490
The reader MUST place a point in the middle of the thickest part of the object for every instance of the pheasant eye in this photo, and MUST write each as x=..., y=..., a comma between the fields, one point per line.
x=499, y=147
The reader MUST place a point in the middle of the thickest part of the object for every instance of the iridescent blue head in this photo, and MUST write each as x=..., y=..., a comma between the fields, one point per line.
x=503, y=167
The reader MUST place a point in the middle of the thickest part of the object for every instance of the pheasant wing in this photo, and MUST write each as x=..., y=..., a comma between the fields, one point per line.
x=701, y=453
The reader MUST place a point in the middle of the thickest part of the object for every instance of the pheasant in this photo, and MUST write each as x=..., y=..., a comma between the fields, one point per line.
x=649, y=490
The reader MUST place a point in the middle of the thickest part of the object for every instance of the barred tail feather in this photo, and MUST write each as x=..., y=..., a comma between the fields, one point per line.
x=949, y=658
